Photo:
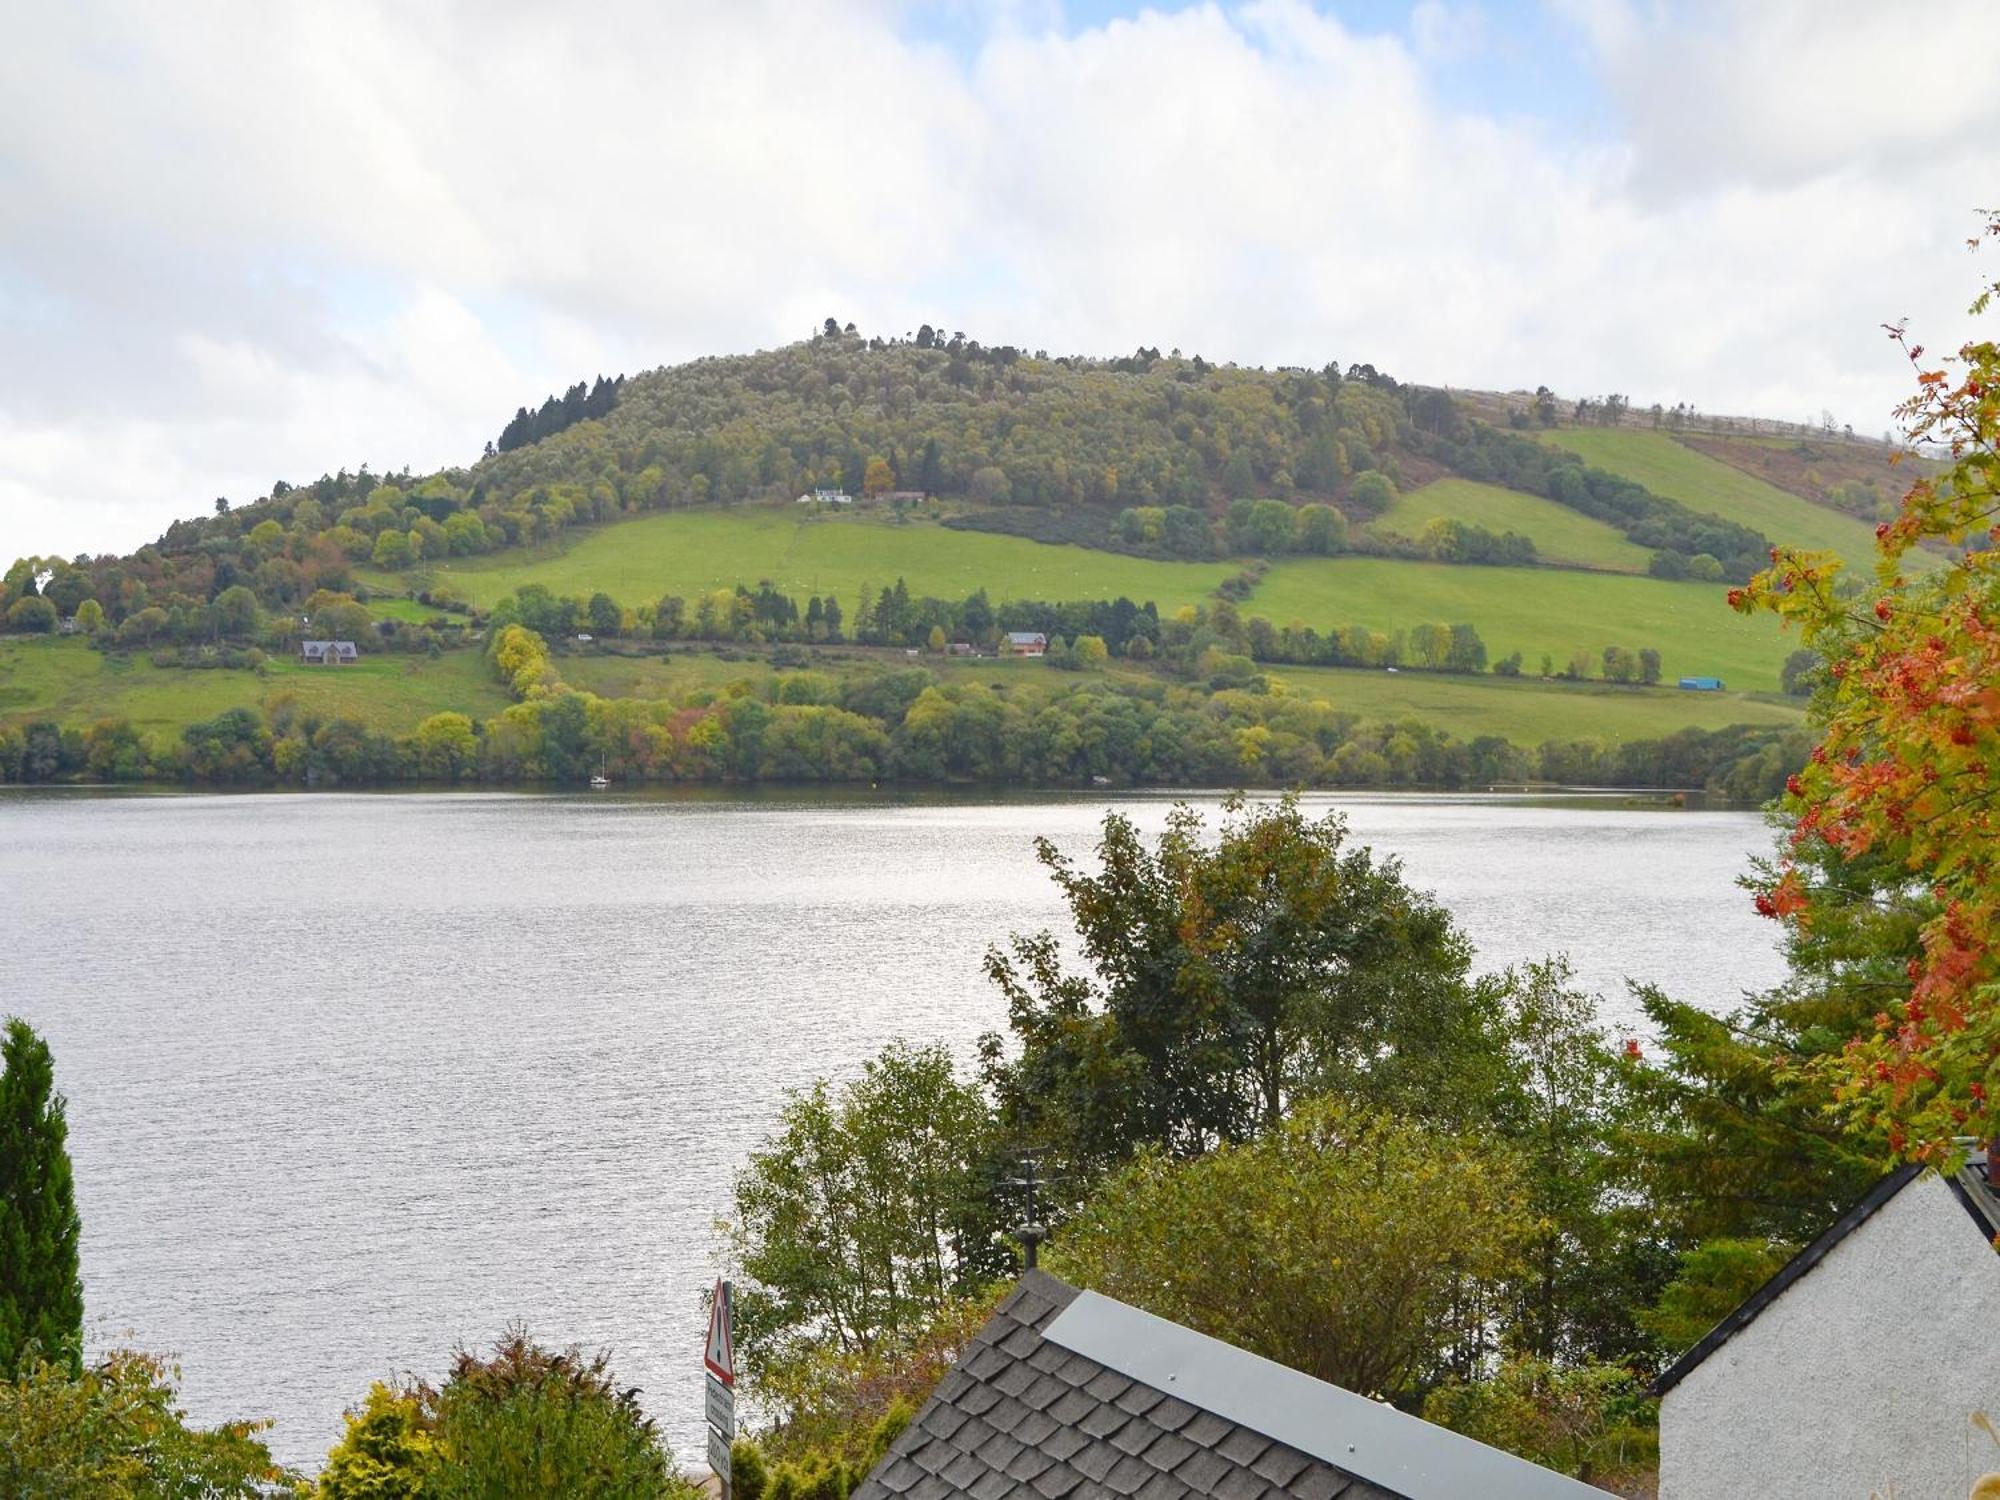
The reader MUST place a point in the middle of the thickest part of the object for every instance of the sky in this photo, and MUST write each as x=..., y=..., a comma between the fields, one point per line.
x=243, y=242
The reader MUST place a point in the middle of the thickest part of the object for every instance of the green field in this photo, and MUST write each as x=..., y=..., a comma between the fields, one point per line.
x=1559, y=533
x=384, y=608
x=1528, y=711
x=1708, y=485
x=1533, y=611
x=693, y=551
x=68, y=681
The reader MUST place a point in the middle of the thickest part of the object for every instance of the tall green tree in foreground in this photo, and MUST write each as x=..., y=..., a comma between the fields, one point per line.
x=863, y=1217
x=1229, y=978
x=41, y=1289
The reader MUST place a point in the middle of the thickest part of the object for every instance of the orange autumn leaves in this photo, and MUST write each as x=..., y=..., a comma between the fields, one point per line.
x=1909, y=767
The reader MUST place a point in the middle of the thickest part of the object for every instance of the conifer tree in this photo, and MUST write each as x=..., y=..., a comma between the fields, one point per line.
x=41, y=1290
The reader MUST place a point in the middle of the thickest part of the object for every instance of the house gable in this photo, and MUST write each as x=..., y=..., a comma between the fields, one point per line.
x=1860, y=1372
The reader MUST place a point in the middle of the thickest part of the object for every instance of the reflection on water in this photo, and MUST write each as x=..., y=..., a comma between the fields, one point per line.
x=353, y=1079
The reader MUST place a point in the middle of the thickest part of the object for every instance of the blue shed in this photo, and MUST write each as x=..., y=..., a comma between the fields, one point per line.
x=1702, y=684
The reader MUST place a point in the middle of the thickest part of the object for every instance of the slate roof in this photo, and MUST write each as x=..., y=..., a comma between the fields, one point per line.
x=1024, y=1413
x=1974, y=1187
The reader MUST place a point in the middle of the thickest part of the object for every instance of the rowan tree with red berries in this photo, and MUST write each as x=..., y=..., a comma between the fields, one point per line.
x=1907, y=776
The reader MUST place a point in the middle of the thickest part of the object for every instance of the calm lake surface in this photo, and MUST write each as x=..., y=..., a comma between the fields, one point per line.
x=355, y=1079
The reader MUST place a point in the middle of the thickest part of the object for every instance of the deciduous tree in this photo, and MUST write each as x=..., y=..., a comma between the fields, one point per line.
x=856, y=1220
x=1342, y=1244
x=1908, y=773
x=1230, y=977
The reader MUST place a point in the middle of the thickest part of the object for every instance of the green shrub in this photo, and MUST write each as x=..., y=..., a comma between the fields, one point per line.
x=530, y=1422
x=1594, y=1422
x=116, y=1432
x=525, y=1422
x=385, y=1452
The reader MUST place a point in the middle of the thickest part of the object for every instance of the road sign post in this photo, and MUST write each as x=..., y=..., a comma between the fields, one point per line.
x=722, y=1409
x=719, y=1359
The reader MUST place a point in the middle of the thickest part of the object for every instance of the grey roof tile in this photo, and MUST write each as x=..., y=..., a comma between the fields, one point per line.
x=1280, y=1465
x=1202, y=1469
x=1242, y=1446
x=1036, y=1428
x=1095, y=1460
x=1022, y=1342
x=1107, y=1385
x=1015, y=1379
x=1007, y=1414
x=941, y=1419
x=962, y=1470
x=1238, y=1484
x=1057, y=1481
x=1139, y=1399
x=899, y=1474
x=998, y=1451
x=1207, y=1429
x=1063, y=1443
x=987, y=1362
x=1029, y=1462
x=1136, y=1437
x=1322, y=1483
x=1127, y=1475
x=1103, y=1420
x=1070, y=1408
x=1045, y=1392
x=1169, y=1450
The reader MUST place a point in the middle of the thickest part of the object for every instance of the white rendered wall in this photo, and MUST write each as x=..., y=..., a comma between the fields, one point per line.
x=1861, y=1379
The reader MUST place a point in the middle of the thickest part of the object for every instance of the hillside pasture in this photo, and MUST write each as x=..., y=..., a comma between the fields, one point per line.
x=1533, y=611
x=73, y=684
x=1560, y=534
x=1527, y=710
x=1676, y=471
x=691, y=552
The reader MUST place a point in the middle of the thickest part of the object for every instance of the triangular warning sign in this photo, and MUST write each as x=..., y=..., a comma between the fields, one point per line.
x=720, y=1355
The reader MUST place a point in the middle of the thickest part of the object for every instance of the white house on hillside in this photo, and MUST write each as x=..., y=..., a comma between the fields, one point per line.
x=1868, y=1367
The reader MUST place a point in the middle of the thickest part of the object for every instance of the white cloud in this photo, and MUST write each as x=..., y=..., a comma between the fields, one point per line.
x=239, y=241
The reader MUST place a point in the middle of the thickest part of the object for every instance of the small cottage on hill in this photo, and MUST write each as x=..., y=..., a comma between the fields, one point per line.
x=1025, y=643
x=1869, y=1365
x=1068, y=1395
x=328, y=653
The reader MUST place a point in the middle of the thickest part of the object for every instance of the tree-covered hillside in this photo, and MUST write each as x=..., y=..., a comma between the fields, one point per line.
x=1157, y=454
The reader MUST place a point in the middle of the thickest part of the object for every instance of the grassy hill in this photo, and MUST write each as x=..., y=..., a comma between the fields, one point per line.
x=1151, y=477
x=1560, y=534
x=1533, y=612
x=1670, y=468
x=691, y=552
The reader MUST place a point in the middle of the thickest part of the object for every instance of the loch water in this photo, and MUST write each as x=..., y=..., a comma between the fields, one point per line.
x=354, y=1079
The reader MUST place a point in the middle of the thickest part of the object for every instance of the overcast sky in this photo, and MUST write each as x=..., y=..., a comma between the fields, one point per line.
x=245, y=242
